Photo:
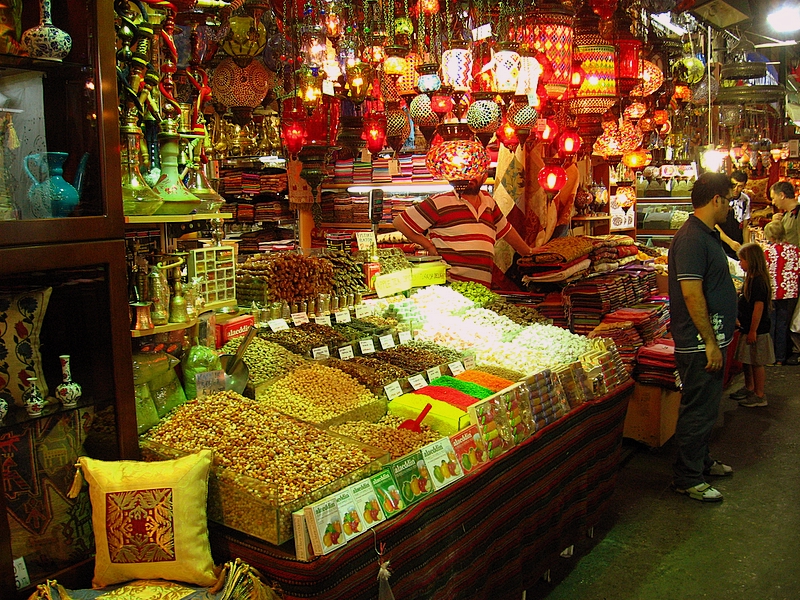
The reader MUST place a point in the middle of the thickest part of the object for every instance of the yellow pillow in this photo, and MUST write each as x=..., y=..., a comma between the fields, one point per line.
x=149, y=519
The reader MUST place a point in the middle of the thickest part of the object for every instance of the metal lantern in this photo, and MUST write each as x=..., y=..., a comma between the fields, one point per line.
x=520, y=113
x=528, y=79
x=553, y=36
x=310, y=83
x=245, y=39
x=313, y=45
x=484, y=115
x=394, y=65
x=398, y=127
x=629, y=48
x=359, y=79
x=459, y=158
x=293, y=131
x=423, y=116
x=507, y=63
x=407, y=83
x=457, y=67
x=233, y=85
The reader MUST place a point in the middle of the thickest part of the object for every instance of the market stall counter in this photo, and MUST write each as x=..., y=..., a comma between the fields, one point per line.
x=489, y=535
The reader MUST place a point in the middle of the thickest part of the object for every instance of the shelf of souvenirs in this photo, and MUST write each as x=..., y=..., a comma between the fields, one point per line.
x=396, y=187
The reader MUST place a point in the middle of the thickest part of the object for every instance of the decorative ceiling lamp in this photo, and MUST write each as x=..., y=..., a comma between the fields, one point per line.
x=552, y=177
x=626, y=195
x=429, y=80
x=457, y=72
x=651, y=78
x=459, y=159
x=441, y=102
x=240, y=88
x=598, y=92
x=528, y=81
x=398, y=127
x=375, y=131
x=313, y=45
x=609, y=144
x=359, y=80
x=507, y=63
x=546, y=129
x=507, y=135
x=577, y=75
x=403, y=29
x=423, y=116
x=522, y=116
x=636, y=159
x=553, y=37
x=634, y=111
x=569, y=142
x=293, y=132
x=629, y=49
x=310, y=85
x=246, y=38
x=407, y=83
x=394, y=65
x=603, y=8
x=660, y=116
x=484, y=116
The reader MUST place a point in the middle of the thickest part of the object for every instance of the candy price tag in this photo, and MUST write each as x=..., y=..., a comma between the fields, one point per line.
x=469, y=361
x=387, y=341
x=346, y=352
x=299, y=318
x=456, y=367
x=393, y=390
x=323, y=320
x=404, y=336
x=417, y=381
x=342, y=316
x=365, y=240
x=363, y=310
x=321, y=352
x=434, y=373
x=278, y=325
x=367, y=346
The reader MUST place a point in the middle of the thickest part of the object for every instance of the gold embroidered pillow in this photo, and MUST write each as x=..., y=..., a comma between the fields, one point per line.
x=149, y=519
x=21, y=317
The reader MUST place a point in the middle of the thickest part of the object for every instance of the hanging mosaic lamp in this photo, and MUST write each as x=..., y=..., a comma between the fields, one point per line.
x=375, y=131
x=423, y=116
x=507, y=63
x=484, y=116
x=407, y=83
x=528, y=80
x=635, y=159
x=429, y=80
x=293, y=132
x=313, y=45
x=310, y=84
x=634, y=111
x=246, y=38
x=553, y=37
x=236, y=86
x=459, y=159
x=507, y=135
x=442, y=102
x=651, y=78
x=398, y=127
x=520, y=113
x=457, y=67
x=626, y=195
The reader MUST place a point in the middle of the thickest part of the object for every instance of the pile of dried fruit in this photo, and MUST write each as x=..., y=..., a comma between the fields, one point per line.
x=386, y=435
x=289, y=277
x=303, y=338
x=411, y=360
x=520, y=314
x=348, y=273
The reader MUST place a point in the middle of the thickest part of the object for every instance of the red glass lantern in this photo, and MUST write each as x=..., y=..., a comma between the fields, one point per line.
x=660, y=116
x=429, y=7
x=577, y=76
x=441, y=103
x=293, y=132
x=628, y=50
x=569, y=142
x=375, y=131
x=553, y=35
x=546, y=130
x=604, y=8
x=635, y=159
x=552, y=178
x=507, y=135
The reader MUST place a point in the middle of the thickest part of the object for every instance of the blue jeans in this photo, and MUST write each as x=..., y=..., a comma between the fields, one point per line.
x=782, y=311
x=700, y=398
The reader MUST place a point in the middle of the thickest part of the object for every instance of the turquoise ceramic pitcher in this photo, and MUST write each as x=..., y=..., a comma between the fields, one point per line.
x=50, y=195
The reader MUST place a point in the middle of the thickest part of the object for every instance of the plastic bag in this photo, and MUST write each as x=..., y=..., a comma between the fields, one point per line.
x=199, y=359
x=166, y=390
x=146, y=414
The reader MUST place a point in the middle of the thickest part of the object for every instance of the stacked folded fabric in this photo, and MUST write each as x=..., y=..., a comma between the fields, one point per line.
x=343, y=171
x=362, y=173
x=560, y=259
x=552, y=307
x=626, y=338
x=380, y=170
x=655, y=365
x=649, y=319
x=592, y=298
x=419, y=171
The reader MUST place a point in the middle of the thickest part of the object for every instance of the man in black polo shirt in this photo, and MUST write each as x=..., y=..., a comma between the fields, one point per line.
x=703, y=319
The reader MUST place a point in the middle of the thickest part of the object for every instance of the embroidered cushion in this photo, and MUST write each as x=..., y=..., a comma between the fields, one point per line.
x=21, y=317
x=149, y=519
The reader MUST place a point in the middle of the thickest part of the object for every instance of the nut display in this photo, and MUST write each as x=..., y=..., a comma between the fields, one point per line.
x=386, y=435
x=477, y=292
x=411, y=360
x=522, y=315
x=348, y=273
x=391, y=260
x=264, y=359
x=361, y=373
x=385, y=373
x=303, y=338
x=322, y=395
x=289, y=277
x=445, y=354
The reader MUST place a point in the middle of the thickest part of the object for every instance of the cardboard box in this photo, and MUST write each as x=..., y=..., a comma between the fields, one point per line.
x=233, y=327
x=652, y=415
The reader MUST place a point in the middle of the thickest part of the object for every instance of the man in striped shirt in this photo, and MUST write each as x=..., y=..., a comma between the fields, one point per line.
x=462, y=230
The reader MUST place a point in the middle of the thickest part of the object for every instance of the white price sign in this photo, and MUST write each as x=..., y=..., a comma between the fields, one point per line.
x=209, y=382
x=323, y=320
x=346, y=352
x=342, y=316
x=321, y=352
x=456, y=367
x=367, y=346
x=21, y=573
x=365, y=240
x=393, y=390
x=404, y=336
x=434, y=373
x=278, y=325
x=299, y=318
x=469, y=362
x=387, y=341
x=417, y=381
x=363, y=310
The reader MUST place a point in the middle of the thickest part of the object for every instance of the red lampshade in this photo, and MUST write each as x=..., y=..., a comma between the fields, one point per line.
x=604, y=8
x=293, y=132
x=375, y=131
x=546, y=130
x=660, y=116
x=552, y=178
x=441, y=103
x=577, y=76
x=635, y=159
x=628, y=50
x=569, y=142
x=507, y=135
x=553, y=32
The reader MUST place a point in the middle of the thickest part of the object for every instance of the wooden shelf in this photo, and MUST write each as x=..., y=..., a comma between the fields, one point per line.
x=591, y=218
x=355, y=226
x=137, y=333
x=155, y=219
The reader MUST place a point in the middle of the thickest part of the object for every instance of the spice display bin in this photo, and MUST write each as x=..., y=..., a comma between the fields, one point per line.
x=253, y=506
x=215, y=266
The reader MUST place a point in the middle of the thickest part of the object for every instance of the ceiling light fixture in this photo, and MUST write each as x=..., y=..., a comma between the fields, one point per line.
x=785, y=19
x=777, y=44
x=665, y=20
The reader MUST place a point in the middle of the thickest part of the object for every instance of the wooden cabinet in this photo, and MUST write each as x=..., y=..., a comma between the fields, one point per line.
x=67, y=107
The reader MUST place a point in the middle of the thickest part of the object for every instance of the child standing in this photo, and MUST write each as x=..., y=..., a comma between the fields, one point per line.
x=783, y=262
x=755, y=345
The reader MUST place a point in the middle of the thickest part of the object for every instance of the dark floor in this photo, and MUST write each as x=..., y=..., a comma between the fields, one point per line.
x=657, y=545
